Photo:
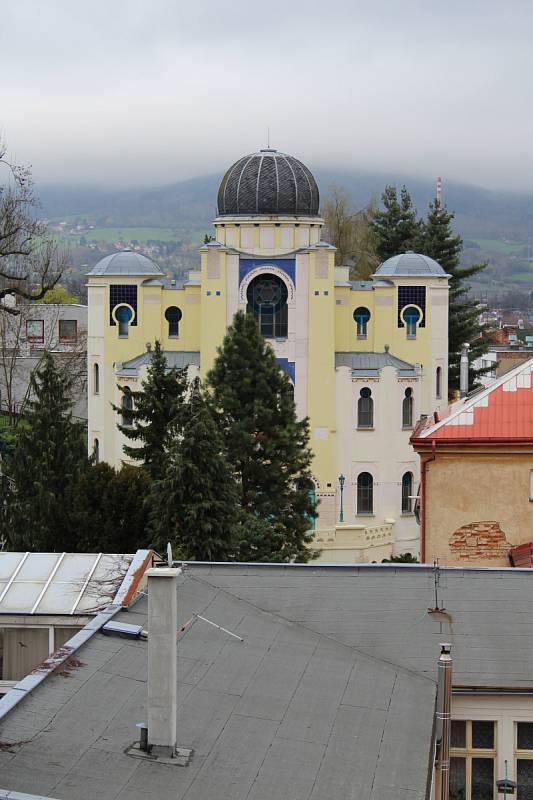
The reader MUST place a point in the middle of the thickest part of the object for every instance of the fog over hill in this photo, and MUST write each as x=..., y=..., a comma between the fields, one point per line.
x=479, y=212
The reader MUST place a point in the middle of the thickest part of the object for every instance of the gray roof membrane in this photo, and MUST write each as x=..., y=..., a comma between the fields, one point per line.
x=126, y=262
x=407, y=264
x=329, y=696
x=175, y=358
x=370, y=363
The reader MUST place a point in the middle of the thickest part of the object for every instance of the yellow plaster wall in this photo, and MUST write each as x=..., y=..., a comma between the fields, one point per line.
x=466, y=488
x=214, y=322
x=321, y=371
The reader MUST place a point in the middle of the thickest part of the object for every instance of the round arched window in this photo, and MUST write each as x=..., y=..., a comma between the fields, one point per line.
x=411, y=316
x=267, y=301
x=123, y=315
x=361, y=316
x=173, y=316
x=407, y=409
x=365, y=409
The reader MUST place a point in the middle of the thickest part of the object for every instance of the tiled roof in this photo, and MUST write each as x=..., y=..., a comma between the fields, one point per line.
x=503, y=411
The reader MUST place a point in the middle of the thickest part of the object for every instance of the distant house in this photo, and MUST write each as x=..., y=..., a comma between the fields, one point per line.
x=477, y=474
x=284, y=682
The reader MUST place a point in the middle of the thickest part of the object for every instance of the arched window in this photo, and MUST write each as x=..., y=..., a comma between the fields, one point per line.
x=365, y=409
x=407, y=409
x=411, y=316
x=96, y=451
x=127, y=408
x=267, y=301
x=365, y=493
x=96, y=379
x=173, y=316
x=361, y=316
x=124, y=316
x=407, y=492
x=438, y=383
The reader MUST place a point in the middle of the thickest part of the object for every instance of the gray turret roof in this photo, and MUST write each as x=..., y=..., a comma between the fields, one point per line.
x=407, y=264
x=126, y=262
x=268, y=182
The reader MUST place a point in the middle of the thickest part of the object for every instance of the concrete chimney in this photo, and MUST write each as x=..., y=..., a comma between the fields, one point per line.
x=162, y=660
x=443, y=723
x=463, y=378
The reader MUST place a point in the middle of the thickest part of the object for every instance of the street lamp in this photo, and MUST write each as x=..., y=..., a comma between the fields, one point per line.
x=341, y=484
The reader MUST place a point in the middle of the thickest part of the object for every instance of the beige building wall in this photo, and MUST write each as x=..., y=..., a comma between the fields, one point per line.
x=477, y=505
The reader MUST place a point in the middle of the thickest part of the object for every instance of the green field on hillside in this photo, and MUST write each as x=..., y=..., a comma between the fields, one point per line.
x=497, y=246
x=110, y=235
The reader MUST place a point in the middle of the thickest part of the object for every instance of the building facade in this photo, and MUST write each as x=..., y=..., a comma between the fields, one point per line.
x=366, y=358
x=477, y=475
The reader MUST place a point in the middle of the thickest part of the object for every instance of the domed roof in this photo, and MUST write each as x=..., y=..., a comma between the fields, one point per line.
x=410, y=263
x=126, y=262
x=268, y=182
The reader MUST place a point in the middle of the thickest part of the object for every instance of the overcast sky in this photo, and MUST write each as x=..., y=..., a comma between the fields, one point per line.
x=122, y=92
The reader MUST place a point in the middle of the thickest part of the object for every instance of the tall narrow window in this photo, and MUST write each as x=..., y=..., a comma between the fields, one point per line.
x=438, y=383
x=267, y=301
x=96, y=379
x=411, y=316
x=173, y=316
x=124, y=316
x=407, y=409
x=365, y=493
x=407, y=493
x=127, y=408
x=96, y=451
x=361, y=316
x=365, y=409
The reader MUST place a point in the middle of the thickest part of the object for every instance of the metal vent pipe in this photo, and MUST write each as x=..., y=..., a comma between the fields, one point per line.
x=443, y=723
x=463, y=377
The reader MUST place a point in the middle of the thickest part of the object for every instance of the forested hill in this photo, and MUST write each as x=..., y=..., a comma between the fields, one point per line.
x=480, y=213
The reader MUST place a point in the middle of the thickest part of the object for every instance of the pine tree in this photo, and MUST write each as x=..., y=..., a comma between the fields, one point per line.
x=196, y=504
x=112, y=510
x=396, y=227
x=267, y=447
x=49, y=457
x=151, y=413
x=438, y=241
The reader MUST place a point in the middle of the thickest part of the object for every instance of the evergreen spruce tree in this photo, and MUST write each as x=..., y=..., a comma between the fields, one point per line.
x=196, y=504
x=438, y=241
x=396, y=227
x=267, y=447
x=111, y=509
x=150, y=413
x=49, y=457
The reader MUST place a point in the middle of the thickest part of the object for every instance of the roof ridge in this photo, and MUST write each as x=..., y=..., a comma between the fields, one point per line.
x=376, y=659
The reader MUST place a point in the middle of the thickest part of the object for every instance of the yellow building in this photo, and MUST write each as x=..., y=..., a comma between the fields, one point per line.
x=366, y=358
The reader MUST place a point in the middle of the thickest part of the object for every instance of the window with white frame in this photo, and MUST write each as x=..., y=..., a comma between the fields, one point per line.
x=524, y=759
x=472, y=760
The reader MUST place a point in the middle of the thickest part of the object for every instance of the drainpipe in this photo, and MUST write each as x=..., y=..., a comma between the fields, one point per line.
x=443, y=723
x=463, y=376
x=423, y=479
x=162, y=660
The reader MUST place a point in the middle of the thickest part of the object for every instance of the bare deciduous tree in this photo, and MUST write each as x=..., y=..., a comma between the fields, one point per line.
x=351, y=233
x=31, y=262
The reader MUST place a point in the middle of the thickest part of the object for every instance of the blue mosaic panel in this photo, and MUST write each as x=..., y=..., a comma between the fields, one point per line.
x=288, y=367
x=288, y=265
x=122, y=294
x=415, y=296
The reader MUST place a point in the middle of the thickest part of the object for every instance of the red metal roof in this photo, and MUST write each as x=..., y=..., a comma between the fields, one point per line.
x=504, y=411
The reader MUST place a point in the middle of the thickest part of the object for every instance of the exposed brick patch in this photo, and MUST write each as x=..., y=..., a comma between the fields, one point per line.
x=479, y=540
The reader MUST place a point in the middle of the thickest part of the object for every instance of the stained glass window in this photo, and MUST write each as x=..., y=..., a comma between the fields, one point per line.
x=411, y=295
x=122, y=293
x=267, y=301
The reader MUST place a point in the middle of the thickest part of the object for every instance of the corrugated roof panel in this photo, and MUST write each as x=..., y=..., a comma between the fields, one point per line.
x=8, y=563
x=21, y=597
x=38, y=567
x=59, y=598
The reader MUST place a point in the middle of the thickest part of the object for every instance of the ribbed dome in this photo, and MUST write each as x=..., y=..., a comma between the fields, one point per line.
x=410, y=263
x=268, y=182
x=126, y=262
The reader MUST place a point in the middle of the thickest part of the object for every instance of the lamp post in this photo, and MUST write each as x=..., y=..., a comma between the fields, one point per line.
x=341, y=484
